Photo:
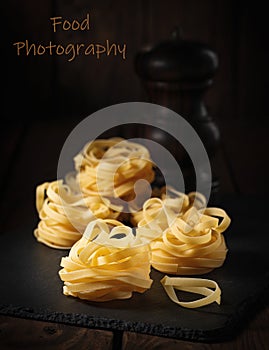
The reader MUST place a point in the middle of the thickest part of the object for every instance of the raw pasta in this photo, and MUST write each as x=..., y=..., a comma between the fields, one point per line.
x=64, y=214
x=106, y=170
x=102, y=266
x=192, y=240
x=192, y=285
x=194, y=244
x=110, y=168
x=174, y=233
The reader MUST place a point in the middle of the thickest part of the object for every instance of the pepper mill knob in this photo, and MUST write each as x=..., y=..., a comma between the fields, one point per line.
x=179, y=61
x=176, y=73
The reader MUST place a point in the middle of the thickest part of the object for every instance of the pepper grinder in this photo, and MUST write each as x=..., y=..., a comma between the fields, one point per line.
x=176, y=74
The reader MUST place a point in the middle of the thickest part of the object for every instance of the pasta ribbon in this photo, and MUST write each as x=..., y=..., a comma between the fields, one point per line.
x=191, y=241
x=103, y=266
x=165, y=209
x=192, y=285
x=193, y=244
x=64, y=214
x=110, y=168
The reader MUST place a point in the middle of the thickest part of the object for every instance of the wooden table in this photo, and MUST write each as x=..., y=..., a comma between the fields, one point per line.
x=29, y=154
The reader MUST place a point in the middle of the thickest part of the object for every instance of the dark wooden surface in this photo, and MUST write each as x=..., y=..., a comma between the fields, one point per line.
x=16, y=333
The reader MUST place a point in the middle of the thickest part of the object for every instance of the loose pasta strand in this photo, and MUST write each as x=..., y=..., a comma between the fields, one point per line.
x=192, y=285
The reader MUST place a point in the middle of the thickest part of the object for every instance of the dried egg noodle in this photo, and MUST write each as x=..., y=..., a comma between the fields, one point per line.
x=192, y=285
x=191, y=241
x=110, y=168
x=193, y=244
x=165, y=209
x=113, y=270
x=64, y=214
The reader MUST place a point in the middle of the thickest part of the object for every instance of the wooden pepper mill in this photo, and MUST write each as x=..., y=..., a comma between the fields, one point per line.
x=176, y=73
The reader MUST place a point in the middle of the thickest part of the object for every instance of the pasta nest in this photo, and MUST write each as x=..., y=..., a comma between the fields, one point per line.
x=110, y=168
x=191, y=241
x=64, y=214
x=101, y=266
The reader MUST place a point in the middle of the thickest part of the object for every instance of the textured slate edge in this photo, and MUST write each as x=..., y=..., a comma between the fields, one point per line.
x=235, y=324
x=84, y=320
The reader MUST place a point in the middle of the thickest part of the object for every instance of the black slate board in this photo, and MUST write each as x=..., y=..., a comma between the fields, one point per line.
x=31, y=287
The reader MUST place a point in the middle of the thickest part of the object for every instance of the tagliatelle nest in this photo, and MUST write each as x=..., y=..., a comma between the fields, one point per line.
x=110, y=168
x=101, y=267
x=64, y=214
x=191, y=242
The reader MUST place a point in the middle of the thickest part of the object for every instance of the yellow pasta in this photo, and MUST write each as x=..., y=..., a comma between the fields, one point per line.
x=194, y=244
x=192, y=285
x=102, y=266
x=64, y=214
x=110, y=168
x=171, y=204
x=191, y=240
x=174, y=232
x=160, y=211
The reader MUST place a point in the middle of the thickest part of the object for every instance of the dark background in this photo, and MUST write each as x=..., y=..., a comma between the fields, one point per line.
x=45, y=97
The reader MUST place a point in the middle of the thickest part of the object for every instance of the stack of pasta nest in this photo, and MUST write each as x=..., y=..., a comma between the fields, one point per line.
x=111, y=254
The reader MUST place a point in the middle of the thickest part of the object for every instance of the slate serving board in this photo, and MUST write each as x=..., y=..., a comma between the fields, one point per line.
x=30, y=286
